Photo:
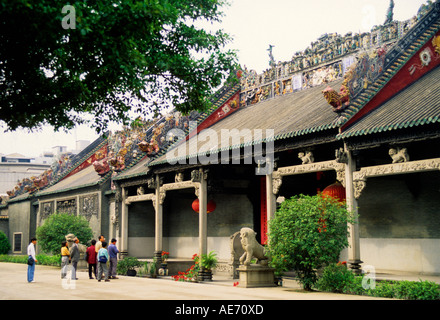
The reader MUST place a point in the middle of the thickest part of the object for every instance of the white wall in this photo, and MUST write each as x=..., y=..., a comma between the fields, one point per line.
x=404, y=255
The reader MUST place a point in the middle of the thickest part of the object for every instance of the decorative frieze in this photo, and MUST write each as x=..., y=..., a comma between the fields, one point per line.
x=360, y=177
x=67, y=206
x=307, y=168
x=46, y=209
x=141, y=197
x=89, y=206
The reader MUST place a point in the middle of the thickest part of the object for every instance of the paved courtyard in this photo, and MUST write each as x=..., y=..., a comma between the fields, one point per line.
x=49, y=286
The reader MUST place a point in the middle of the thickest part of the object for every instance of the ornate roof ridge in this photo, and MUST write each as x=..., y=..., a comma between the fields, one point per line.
x=389, y=62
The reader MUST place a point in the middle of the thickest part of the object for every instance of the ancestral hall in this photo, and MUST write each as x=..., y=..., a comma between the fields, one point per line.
x=361, y=110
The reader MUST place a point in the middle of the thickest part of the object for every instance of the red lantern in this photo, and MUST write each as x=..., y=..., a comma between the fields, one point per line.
x=210, y=207
x=335, y=190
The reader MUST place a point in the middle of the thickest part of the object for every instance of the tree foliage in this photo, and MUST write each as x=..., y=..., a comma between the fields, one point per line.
x=105, y=58
x=4, y=243
x=57, y=226
x=308, y=233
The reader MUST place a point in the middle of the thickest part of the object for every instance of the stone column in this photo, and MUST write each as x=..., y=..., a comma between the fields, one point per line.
x=124, y=223
x=270, y=199
x=158, y=208
x=354, y=257
x=203, y=216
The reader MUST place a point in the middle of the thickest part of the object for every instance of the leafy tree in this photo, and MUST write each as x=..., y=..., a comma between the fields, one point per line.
x=308, y=233
x=57, y=226
x=60, y=61
x=4, y=243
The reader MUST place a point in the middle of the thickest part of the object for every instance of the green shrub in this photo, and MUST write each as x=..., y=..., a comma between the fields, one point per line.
x=13, y=258
x=335, y=278
x=421, y=290
x=49, y=260
x=41, y=258
x=383, y=289
x=57, y=226
x=338, y=279
x=128, y=263
x=306, y=234
x=4, y=243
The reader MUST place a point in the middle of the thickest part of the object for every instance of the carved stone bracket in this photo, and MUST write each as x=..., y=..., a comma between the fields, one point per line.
x=162, y=195
x=198, y=175
x=277, y=181
x=360, y=177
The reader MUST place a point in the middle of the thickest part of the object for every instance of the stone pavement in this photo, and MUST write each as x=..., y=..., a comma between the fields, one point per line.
x=218, y=299
x=49, y=286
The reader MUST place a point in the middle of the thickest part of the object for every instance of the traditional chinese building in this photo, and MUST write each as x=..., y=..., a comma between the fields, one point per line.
x=361, y=110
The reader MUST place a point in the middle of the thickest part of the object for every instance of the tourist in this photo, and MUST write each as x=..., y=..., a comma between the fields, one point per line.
x=65, y=259
x=74, y=257
x=31, y=253
x=113, y=254
x=98, y=246
x=91, y=259
x=102, y=262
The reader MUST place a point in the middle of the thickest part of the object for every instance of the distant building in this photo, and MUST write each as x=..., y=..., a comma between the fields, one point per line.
x=14, y=167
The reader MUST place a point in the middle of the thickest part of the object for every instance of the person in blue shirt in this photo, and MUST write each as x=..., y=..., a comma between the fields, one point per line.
x=113, y=254
x=102, y=263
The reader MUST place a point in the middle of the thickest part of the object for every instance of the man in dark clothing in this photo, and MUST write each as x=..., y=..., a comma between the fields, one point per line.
x=91, y=259
x=74, y=256
x=113, y=253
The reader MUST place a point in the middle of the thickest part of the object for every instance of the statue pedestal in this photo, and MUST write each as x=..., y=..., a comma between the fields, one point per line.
x=254, y=276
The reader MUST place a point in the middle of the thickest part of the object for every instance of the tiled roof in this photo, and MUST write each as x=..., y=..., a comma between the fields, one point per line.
x=417, y=105
x=84, y=178
x=293, y=115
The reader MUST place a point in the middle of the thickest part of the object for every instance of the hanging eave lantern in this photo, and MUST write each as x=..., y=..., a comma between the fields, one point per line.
x=210, y=207
x=336, y=191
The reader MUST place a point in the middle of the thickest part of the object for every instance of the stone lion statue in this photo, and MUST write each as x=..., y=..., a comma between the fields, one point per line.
x=399, y=155
x=70, y=239
x=251, y=248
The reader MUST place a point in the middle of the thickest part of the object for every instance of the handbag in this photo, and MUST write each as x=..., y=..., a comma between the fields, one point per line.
x=30, y=261
x=86, y=256
x=102, y=259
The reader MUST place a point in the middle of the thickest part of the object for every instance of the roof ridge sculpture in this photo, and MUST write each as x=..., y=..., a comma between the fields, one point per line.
x=327, y=59
x=375, y=69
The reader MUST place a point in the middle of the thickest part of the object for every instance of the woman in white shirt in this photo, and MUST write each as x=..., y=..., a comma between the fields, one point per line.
x=31, y=253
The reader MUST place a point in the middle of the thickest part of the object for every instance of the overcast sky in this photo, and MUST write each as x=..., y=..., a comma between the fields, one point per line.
x=288, y=25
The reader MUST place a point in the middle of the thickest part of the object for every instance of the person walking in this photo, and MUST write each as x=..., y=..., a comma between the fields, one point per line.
x=102, y=263
x=113, y=254
x=65, y=259
x=31, y=253
x=74, y=257
x=91, y=259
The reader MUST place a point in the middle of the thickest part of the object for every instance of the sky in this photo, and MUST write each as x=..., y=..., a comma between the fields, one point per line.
x=288, y=25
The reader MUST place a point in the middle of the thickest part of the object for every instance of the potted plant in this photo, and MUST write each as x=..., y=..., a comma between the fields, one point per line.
x=152, y=267
x=163, y=270
x=127, y=266
x=208, y=262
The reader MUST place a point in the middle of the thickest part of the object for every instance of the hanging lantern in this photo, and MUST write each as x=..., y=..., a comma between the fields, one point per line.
x=335, y=190
x=210, y=207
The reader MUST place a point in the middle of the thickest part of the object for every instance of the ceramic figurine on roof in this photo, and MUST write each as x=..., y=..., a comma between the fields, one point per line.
x=390, y=13
x=339, y=101
x=271, y=58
